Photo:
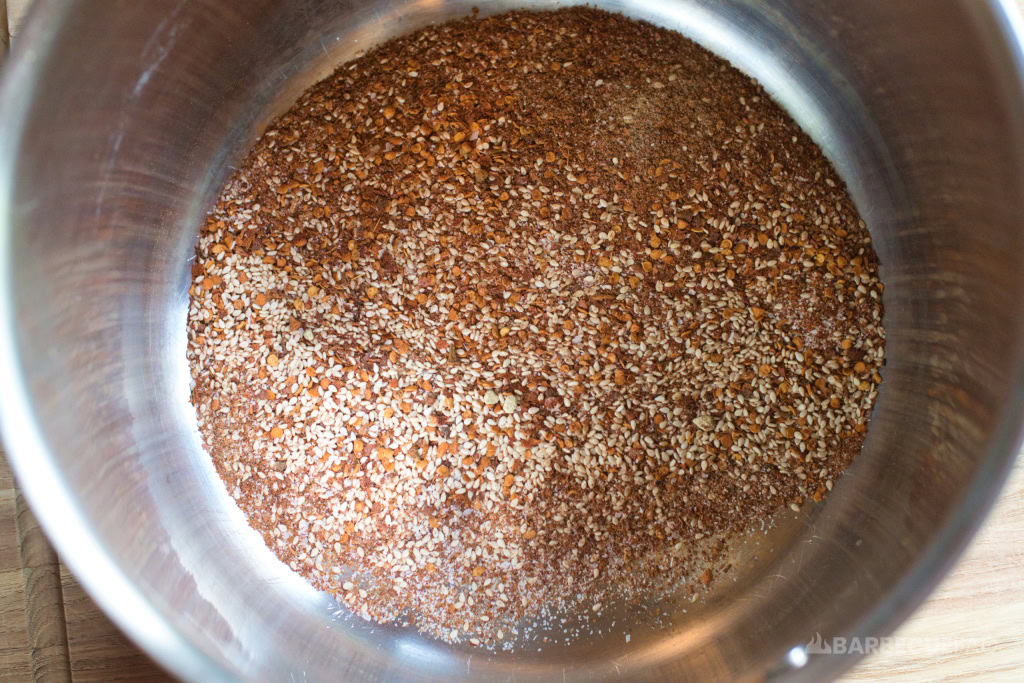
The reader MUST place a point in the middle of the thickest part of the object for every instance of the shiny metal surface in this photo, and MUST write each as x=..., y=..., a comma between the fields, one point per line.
x=120, y=120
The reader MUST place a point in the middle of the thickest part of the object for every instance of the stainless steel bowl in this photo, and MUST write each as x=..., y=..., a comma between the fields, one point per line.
x=121, y=119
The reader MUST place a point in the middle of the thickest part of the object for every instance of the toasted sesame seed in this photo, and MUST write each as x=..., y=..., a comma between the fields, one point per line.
x=484, y=330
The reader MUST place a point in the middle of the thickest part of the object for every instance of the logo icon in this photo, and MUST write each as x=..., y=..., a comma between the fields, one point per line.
x=818, y=646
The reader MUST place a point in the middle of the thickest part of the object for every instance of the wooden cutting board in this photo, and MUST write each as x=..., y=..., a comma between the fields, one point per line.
x=971, y=627
x=50, y=630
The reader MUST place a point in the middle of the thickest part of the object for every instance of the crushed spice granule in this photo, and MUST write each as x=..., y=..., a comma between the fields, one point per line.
x=507, y=317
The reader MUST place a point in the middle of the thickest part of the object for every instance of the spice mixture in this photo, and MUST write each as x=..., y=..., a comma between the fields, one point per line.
x=503, y=318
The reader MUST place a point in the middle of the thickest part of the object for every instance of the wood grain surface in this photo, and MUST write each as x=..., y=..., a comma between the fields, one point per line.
x=50, y=630
x=44, y=609
x=15, y=653
x=970, y=628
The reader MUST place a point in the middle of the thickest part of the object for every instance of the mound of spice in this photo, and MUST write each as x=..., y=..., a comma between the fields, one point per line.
x=503, y=318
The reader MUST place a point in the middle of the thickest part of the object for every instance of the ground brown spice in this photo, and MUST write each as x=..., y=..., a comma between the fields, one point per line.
x=508, y=316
